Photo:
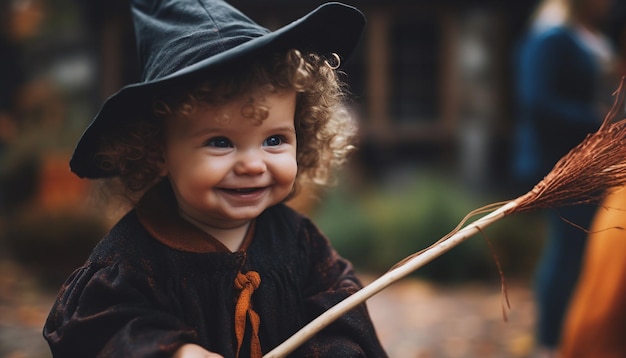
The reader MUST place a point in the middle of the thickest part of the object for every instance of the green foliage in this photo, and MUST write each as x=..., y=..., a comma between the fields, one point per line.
x=378, y=226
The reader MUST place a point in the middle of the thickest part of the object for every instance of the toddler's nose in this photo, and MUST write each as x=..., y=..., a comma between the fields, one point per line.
x=250, y=163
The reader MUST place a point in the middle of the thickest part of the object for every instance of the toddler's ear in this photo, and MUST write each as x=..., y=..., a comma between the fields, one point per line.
x=162, y=170
x=162, y=165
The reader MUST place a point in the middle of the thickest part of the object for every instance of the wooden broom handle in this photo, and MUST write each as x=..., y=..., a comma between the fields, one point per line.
x=326, y=318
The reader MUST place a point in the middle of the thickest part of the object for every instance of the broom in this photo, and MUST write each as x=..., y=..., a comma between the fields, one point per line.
x=584, y=175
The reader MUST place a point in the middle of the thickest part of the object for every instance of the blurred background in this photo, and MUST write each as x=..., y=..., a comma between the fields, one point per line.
x=433, y=90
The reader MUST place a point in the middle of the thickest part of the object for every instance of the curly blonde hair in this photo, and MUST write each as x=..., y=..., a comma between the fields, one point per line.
x=325, y=129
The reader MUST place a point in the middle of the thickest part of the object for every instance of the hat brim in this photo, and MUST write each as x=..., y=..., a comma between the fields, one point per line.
x=331, y=28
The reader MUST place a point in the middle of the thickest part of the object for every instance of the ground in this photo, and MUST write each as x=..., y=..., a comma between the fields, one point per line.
x=421, y=319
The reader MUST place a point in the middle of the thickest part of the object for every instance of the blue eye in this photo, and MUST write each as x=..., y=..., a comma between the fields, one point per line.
x=273, y=141
x=219, y=142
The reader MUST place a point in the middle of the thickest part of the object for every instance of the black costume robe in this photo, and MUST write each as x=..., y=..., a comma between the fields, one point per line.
x=156, y=282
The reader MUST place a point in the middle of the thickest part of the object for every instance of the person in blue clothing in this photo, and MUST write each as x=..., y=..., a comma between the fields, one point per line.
x=565, y=78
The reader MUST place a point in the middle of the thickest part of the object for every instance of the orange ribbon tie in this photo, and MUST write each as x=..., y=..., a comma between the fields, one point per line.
x=246, y=284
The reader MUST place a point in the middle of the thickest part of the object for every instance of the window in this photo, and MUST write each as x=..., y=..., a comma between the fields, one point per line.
x=415, y=67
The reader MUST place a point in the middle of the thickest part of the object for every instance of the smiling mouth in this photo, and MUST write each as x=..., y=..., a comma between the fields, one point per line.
x=243, y=190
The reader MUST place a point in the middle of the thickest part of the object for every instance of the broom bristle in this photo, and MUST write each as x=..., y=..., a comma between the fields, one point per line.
x=590, y=170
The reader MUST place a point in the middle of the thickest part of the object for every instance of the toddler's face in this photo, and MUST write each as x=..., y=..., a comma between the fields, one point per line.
x=225, y=167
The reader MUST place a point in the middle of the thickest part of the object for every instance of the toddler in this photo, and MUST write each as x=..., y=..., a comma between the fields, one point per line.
x=228, y=121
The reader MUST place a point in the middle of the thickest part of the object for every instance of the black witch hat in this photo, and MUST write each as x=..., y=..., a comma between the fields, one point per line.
x=180, y=40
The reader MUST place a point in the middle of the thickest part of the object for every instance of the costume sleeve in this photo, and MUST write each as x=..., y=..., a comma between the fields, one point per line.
x=112, y=312
x=331, y=280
